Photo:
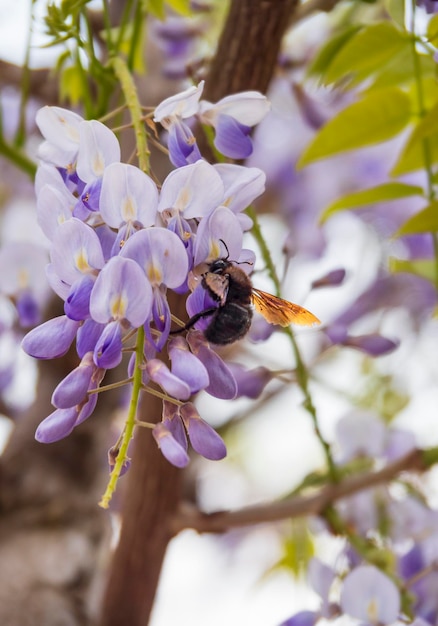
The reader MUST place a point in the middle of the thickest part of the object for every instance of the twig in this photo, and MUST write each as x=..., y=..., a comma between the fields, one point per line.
x=298, y=506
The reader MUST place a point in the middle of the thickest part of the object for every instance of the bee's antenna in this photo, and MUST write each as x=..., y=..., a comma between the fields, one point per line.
x=226, y=248
x=228, y=256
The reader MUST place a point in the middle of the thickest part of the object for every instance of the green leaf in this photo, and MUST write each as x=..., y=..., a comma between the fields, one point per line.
x=377, y=117
x=71, y=85
x=432, y=30
x=328, y=52
x=425, y=268
x=396, y=11
x=381, y=193
x=156, y=8
x=425, y=221
x=367, y=51
x=413, y=156
x=427, y=127
x=180, y=6
x=400, y=69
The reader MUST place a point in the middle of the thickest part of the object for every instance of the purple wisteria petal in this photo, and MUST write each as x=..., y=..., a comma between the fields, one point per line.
x=232, y=139
x=360, y=433
x=113, y=453
x=161, y=374
x=29, y=313
x=60, y=128
x=321, y=578
x=73, y=388
x=128, y=195
x=200, y=300
x=57, y=425
x=221, y=225
x=242, y=185
x=98, y=148
x=52, y=339
x=76, y=251
x=186, y=366
x=369, y=595
x=193, y=190
x=171, y=449
x=222, y=382
x=182, y=145
x=430, y=6
x=183, y=105
x=171, y=418
x=250, y=383
x=398, y=443
x=54, y=207
x=108, y=349
x=331, y=279
x=77, y=304
x=303, y=618
x=89, y=200
x=120, y=292
x=87, y=408
x=372, y=344
x=204, y=439
x=87, y=336
x=161, y=317
x=247, y=107
x=22, y=266
x=47, y=174
x=161, y=255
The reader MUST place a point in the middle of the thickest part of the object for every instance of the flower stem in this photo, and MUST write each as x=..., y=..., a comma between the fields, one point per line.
x=131, y=97
x=302, y=375
x=129, y=424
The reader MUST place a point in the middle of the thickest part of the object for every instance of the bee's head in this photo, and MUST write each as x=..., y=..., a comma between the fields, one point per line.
x=219, y=266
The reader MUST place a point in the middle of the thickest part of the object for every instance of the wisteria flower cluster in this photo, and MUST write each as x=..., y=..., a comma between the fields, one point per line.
x=119, y=244
x=388, y=571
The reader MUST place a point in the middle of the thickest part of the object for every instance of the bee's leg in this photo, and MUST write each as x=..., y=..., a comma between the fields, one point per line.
x=192, y=321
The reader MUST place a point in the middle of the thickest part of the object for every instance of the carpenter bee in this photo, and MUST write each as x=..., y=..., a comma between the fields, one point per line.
x=233, y=290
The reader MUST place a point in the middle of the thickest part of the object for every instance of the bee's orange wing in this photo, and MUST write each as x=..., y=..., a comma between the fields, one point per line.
x=281, y=312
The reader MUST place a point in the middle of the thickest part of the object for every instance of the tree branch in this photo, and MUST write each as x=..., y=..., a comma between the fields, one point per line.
x=299, y=506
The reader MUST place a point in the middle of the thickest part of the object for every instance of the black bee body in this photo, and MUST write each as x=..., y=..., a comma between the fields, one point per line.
x=234, y=293
x=232, y=289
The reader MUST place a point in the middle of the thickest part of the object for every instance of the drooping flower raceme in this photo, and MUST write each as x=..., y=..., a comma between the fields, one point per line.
x=232, y=119
x=119, y=246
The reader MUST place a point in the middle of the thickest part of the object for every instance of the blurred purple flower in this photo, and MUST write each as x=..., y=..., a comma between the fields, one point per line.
x=370, y=596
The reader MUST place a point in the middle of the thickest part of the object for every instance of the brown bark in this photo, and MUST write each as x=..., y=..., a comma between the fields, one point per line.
x=152, y=497
x=249, y=46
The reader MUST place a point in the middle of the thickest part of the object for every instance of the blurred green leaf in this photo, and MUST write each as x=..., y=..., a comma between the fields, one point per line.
x=425, y=268
x=328, y=52
x=366, y=51
x=377, y=117
x=414, y=154
x=432, y=29
x=180, y=6
x=156, y=8
x=71, y=86
x=380, y=193
x=400, y=70
x=396, y=10
x=427, y=127
x=425, y=221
